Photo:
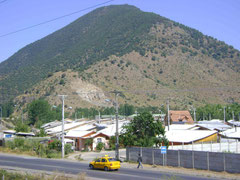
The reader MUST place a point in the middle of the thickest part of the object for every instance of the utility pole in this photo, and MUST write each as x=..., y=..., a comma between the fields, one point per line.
x=99, y=117
x=116, y=93
x=233, y=115
x=63, y=97
x=194, y=114
x=1, y=115
x=168, y=115
x=224, y=114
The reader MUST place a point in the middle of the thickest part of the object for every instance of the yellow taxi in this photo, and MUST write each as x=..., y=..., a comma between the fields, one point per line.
x=107, y=163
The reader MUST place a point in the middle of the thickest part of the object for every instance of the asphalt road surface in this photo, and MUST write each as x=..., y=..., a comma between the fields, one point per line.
x=70, y=167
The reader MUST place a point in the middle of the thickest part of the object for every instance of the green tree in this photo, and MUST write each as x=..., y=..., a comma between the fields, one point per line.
x=21, y=127
x=7, y=109
x=39, y=112
x=99, y=146
x=144, y=131
x=88, y=143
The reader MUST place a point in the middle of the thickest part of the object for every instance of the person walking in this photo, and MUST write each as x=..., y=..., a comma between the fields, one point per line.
x=139, y=161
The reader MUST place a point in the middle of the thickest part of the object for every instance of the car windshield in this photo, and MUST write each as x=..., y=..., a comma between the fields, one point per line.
x=112, y=159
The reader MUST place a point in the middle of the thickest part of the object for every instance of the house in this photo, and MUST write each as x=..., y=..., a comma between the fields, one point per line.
x=179, y=137
x=79, y=138
x=99, y=138
x=233, y=133
x=179, y=117
x=234, y=123
x=67, y=127
x=214, y=124
x=81, y=134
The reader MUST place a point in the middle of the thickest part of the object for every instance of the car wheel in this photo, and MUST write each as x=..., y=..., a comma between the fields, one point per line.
x=91, y=166
x=105, y=168
x=116, y=169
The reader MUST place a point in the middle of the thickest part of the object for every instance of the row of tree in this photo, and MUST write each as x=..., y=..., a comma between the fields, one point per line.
x=216, y=111
x=40, y=112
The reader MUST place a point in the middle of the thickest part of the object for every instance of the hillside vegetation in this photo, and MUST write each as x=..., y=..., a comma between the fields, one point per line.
x=121, y=47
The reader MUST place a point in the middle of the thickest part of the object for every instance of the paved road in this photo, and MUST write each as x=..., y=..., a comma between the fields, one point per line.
x=77, y=167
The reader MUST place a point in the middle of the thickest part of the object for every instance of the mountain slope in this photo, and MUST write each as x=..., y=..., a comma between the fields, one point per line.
x=119, y=31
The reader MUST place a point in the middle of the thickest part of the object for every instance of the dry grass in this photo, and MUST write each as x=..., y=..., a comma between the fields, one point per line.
x=33, y=175
x=178, y=75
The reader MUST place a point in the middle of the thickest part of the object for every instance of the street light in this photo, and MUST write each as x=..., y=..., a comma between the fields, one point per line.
x=194, y=113
x=1, y=115
x=63, y=97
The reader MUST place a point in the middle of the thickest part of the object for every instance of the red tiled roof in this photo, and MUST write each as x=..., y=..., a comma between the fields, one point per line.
x=181, y=116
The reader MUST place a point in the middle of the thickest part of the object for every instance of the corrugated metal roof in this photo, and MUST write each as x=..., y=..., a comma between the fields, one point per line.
x=187, y=136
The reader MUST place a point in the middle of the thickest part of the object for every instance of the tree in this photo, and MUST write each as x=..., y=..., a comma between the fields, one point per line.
x=144, y=131
x=20, y=127
x=99, y=146
x=39, y=112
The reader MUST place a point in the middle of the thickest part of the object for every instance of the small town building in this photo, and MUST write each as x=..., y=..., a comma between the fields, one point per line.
x=182, y=137
x=179, y=117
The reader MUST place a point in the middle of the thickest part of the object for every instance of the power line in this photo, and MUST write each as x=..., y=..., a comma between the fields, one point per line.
x=48, y=21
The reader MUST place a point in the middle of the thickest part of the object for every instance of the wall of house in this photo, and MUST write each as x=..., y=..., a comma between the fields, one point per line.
x=103, y=140
x=212, y=138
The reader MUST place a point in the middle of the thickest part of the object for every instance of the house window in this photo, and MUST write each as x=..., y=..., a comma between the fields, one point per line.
x=99, y=140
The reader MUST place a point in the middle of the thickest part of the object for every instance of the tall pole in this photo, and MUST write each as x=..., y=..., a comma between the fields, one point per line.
x=194, y=114
x=99, y=117
x=224, y=114
x=233, y=115
x=63, y=97
x=1, y=115
x=117, y=135
x=168, y=115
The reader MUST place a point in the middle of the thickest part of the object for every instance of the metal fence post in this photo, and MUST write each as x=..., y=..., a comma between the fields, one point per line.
x=224, y=162
x=140, y=151
x=179, y=162
x=182, y=145
x=152, y=156
x=208, y=160
x=193, y=159
x=163, y=159
x=129, y=157
x=3, y=177
x=202, y=146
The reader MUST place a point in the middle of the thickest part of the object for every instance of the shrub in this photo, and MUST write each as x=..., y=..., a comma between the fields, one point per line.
x=62, y=82
x=55, y=144
x=41, y=150
x=18, y=142
x=68, y=148
x=99, y=146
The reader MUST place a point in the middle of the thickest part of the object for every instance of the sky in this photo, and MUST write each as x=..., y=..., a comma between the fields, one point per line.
x=217, y=18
